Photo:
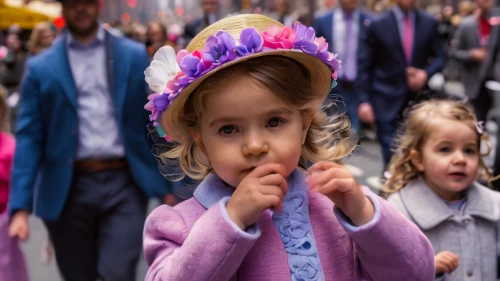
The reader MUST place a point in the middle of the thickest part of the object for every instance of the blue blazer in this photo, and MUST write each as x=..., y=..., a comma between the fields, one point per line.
x=382, y=63
x=47, y=126
x=324, y=26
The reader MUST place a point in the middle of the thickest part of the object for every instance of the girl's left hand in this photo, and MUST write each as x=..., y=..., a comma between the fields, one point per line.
x=338, y=184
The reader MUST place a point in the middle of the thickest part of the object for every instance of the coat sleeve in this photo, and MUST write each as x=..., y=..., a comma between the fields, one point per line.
x=390, y=247
x=29, y=145
x=437, y=52
x=212, y=250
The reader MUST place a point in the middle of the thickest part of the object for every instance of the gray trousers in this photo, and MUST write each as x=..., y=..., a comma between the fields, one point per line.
x=99, y=233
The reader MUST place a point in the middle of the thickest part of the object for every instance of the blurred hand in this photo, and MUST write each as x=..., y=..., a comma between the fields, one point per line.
x=365, y=113
x=416, y=79
x=446, y=262
x=19, y=227
x=478, y=54
x=338, y=184
x=170, y=199
x=263, y=188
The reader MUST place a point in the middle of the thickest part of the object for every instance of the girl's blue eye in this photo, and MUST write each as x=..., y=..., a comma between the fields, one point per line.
x=444, y=149
x=470, y=151
x=274, y=122
x=227, y=130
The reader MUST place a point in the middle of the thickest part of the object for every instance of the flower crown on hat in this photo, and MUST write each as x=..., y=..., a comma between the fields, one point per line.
x=169, y=73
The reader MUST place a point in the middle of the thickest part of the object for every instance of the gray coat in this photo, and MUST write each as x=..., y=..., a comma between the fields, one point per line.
x=472, y=73
x=473, y=236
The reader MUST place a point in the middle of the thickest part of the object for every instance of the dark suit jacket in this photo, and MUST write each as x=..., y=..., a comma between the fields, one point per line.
x=381, y=66
x=324, y=28
x=47, y=127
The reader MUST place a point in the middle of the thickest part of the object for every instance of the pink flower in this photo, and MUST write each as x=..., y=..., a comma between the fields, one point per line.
x=278, y=38
x=151, y=106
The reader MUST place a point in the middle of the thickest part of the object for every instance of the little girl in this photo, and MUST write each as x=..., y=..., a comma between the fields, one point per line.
x=243, y=103
x=12, y=264
x=434, y=171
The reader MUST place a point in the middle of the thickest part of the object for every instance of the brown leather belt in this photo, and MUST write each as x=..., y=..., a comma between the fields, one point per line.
x=97, y=165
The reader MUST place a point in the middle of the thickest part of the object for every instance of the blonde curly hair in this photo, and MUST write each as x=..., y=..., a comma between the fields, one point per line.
x=414, y=134
x=326, y=140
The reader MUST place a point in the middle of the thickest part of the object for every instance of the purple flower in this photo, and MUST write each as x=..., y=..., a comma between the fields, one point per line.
x=325, y=56
x=251, y=40
x=192, y=64
x=219, y=49
x=157, y=104
x=304, y=39
x=161, y=102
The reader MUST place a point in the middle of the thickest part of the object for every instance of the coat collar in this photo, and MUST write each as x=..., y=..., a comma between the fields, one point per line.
x=212, y=189
x=428, y=210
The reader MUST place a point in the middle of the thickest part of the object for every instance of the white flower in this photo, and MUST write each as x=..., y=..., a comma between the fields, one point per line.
x=162, y=69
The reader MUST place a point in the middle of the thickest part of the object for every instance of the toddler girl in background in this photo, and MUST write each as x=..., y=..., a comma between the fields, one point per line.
x=433, y=174
x=245, y=112
x=12, y=264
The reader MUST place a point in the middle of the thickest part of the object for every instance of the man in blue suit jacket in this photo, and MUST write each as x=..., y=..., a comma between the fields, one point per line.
x=82, y=157
x=401, y=50
x=342, y=28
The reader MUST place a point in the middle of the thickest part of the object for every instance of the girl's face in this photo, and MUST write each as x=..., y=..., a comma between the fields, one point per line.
x=244, y=126
x=449, y=158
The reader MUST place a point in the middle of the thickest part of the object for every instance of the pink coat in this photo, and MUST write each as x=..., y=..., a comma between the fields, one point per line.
x=191, y=242
x=7, y=147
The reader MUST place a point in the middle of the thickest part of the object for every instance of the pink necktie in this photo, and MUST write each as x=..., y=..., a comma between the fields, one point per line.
x=408, y=38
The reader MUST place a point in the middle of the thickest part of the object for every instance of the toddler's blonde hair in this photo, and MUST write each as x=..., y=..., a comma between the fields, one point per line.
x=414, y=134
x=326, y=140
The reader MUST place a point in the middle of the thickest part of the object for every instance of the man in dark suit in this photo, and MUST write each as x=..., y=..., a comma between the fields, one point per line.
x=342, y=28
x=82, y=145
x=401, y=51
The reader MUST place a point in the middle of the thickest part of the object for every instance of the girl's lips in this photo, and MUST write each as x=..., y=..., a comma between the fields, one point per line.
x=459, y=175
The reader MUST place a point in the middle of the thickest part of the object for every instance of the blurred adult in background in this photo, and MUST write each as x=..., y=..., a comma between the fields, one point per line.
x=139, y=33
x=211, y=14
x=470, y=48
x=156, y=37
x=465, y=9
x=446, y=29
x=401, y=51
x=342, y=28
x=82, y=145
x=282, y=13
x=41, y=38
x=12, y=65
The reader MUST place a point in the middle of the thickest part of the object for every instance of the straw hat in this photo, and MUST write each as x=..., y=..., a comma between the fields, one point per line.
x=321, y=70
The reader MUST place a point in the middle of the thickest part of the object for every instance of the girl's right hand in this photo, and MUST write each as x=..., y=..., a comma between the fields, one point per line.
x=263, y=188
x=19, y=226
x=446, y=262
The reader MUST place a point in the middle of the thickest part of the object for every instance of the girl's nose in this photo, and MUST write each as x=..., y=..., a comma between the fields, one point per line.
x=255, y=145
x=459, y=158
